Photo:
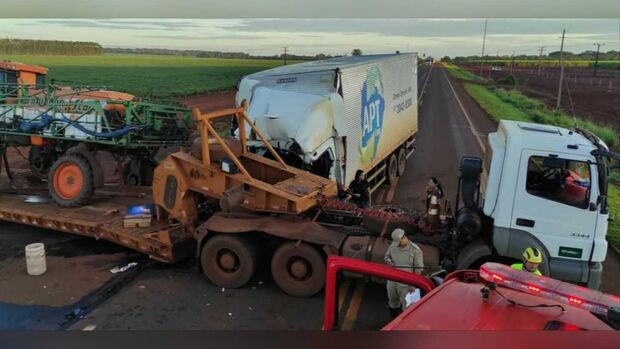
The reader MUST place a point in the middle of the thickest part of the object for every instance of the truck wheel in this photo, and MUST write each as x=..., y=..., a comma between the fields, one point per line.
x=228, y=261
x=402, y=161
x=70, y=181
x=392, y=169
x=298, y=270
x=40, y=160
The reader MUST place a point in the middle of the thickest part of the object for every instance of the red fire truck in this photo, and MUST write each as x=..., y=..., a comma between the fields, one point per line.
x=496, y=297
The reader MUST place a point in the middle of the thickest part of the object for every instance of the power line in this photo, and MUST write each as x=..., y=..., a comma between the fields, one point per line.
x=284, y=55
x=559, y=101
x=542, y=48
x=484, y=39
x=598, y=49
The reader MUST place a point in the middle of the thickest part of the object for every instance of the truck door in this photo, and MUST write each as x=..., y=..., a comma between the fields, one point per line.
x=552, y=202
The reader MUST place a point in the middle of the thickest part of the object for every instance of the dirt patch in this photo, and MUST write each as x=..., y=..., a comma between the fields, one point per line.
x=66, y=281
x=594, y=98
x=211, y=101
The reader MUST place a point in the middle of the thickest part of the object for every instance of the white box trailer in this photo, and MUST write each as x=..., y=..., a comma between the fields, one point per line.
x=336, y=116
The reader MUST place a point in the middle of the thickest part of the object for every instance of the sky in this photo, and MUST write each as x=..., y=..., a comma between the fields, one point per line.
x=436, y=37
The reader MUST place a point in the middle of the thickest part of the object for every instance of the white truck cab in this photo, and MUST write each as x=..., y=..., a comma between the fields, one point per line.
x=547, y=188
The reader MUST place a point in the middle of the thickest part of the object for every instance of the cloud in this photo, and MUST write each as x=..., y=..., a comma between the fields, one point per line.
x=122, y=24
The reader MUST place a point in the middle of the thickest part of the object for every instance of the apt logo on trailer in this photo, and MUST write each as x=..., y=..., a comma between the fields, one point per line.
x=373, y=107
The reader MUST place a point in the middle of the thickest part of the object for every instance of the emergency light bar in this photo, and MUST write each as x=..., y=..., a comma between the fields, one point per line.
x=593, y=301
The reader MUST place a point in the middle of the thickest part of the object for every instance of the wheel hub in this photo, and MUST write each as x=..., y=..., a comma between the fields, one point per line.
x=300, y=269
x=228, y=261
x=68, y=181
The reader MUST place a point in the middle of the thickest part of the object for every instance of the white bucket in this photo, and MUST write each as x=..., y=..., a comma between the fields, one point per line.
x=35, y=259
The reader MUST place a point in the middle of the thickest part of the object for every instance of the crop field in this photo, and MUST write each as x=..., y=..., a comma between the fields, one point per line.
x=528, y=63
x=145, y=75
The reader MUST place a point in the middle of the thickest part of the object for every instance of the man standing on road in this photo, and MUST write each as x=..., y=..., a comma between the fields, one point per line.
x=404, y=255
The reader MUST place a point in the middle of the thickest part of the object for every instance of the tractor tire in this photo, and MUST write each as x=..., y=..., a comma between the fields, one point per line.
x=392, y=169
x=298, y=270
x=402, y=161
x=70, y=181
x=228, y=260
x=40, y=160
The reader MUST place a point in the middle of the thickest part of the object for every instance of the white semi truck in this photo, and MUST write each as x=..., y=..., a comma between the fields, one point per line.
x=337, y=116
x=546, y=188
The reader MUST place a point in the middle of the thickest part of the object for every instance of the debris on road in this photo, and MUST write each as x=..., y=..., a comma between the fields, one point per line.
x=123, y=269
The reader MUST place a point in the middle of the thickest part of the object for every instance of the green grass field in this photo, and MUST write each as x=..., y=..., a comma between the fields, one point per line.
x=462, y=74
x=147, y=76
x=513, y=105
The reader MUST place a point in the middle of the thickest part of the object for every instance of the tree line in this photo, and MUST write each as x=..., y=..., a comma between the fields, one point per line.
x=49, y=47
x=588, y=55
x=208, y=54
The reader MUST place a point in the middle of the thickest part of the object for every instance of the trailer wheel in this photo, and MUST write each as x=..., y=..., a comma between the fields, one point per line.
x=298, y=270
x=228, y=261
x=392, y=169
x=402, y=162
x=40, y=160
x=70, y=181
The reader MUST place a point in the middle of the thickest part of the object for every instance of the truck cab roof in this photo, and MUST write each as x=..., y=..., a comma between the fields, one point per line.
x=547, y=137
x=330, y=64
x=17, y=66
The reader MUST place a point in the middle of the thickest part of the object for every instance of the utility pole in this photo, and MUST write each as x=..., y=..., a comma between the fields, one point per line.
x=540, y=59
x=484, y=39
x=559, y=100
x=512, y=63
x=598, y=49
x=285, y=52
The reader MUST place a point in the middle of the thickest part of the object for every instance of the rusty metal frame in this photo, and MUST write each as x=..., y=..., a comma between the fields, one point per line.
x=206, y=130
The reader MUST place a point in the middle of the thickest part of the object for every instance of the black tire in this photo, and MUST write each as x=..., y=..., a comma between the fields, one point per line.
x=392, y=169
x=298, y=270
x=228, y=260
x=80, y=194
x=402, y=161
x=40, y=160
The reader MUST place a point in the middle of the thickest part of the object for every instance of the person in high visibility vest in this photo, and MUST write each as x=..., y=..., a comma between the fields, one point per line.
x=531, y=260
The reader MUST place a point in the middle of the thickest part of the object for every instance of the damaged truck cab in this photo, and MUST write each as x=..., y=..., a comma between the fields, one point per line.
x=337, y=116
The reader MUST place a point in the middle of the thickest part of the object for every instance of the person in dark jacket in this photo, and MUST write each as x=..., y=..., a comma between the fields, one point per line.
x=359, y=190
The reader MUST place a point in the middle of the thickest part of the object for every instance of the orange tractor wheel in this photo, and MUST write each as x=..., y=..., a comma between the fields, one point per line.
x=70, y=181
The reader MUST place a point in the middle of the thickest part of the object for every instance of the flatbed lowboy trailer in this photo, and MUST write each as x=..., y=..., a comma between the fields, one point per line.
x=163, y=241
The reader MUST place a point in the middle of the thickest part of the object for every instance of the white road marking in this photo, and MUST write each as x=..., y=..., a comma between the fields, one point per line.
x=471, y=125
x=474, y=132
x=428, y=75
x=89, y=328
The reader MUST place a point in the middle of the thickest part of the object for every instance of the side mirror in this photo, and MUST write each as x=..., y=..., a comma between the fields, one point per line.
x=593, y=206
